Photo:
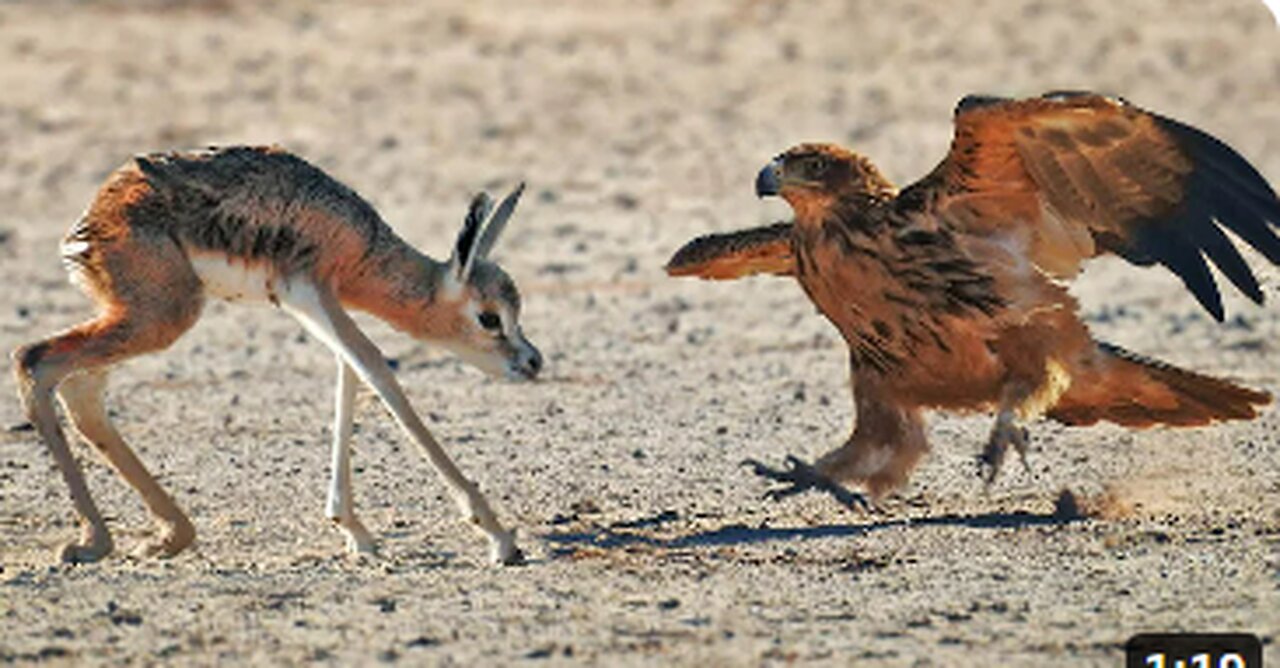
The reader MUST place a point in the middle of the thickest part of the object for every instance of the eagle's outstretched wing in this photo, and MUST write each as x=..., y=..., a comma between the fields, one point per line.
x=759, y=250
x=1082, y=174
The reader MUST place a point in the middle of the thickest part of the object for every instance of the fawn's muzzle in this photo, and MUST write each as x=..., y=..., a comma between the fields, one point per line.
x=526, y=363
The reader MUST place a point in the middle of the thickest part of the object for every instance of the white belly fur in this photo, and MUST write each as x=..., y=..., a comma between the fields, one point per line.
x=234, y=280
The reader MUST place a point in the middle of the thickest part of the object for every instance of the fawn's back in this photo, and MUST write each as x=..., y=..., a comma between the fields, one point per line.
x=243, y=215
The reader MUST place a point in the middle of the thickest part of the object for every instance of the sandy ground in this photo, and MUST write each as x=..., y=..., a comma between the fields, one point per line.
x=637, y=125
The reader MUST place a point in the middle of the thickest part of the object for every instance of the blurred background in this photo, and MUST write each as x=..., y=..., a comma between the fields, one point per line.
x=660, y=110
x=636, y=125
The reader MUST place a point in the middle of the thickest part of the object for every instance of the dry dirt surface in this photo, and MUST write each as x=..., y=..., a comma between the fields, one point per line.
x=637, y=125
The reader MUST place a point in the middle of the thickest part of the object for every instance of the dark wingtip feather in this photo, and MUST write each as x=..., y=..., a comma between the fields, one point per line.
x=1241, y=198
x=1204, y=147
x=1254, y=221
x=1223, y=187
x=1170, y=248
x=1201, y=229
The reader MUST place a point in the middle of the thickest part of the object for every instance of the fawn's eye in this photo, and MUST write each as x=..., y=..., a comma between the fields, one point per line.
x=490, y=320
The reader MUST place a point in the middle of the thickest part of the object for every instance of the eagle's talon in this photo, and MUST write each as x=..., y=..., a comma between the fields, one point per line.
x=988, y=464
x=802, y=477
x=950, y=291
x=1004, y=434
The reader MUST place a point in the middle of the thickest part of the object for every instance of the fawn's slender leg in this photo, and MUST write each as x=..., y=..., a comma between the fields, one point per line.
x=149, y=295
x=321, y=314
x=341, y=506
x=81, y=396
x=36, y=379
x=41, y=367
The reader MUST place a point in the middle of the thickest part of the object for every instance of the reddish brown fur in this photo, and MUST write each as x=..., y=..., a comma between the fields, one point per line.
x=1006, y=157
x=986, y=358
x=164, y=230
x=1138, y=392
x=131, y=248
x=337, y=241
x=947, y=292
x=760, y=250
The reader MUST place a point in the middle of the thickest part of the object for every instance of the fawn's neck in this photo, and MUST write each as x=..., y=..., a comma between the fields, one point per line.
x=402, y=287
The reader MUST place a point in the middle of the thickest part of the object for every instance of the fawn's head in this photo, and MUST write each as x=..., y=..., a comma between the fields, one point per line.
x=486, y=328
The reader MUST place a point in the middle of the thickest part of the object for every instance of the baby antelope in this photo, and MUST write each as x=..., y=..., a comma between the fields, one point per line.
x=167, y=231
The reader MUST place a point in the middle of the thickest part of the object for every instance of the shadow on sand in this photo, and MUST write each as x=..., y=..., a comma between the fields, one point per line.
x=625, y=534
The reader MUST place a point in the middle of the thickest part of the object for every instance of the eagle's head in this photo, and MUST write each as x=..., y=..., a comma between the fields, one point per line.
x=820, y=173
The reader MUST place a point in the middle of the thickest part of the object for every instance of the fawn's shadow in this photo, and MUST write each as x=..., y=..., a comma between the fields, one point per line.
x=624, y=534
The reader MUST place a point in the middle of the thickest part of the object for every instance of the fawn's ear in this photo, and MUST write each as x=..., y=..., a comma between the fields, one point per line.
x=465, y=250
x=759, y=250
x=499, y=222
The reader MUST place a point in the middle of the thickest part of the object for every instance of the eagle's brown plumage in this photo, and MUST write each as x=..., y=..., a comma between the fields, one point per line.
x=760, y=250
x=949, y=293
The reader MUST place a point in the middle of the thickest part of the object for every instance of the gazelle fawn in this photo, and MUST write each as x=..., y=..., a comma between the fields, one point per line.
x=166, y=232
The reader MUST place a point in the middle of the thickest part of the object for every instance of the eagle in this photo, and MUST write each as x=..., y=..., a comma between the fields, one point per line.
x=952, y=292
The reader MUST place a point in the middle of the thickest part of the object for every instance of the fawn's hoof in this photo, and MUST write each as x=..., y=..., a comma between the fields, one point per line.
x=171, y=540
x=81, y=553
x=505, y=552
x=359, y=541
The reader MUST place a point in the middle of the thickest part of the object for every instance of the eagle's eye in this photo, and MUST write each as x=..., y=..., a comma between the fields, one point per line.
x=816, y=167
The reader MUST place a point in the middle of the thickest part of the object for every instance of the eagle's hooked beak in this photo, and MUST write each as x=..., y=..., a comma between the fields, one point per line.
x=767, y=181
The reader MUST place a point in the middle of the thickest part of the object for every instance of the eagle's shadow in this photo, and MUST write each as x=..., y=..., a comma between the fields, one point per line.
x=625, y=534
